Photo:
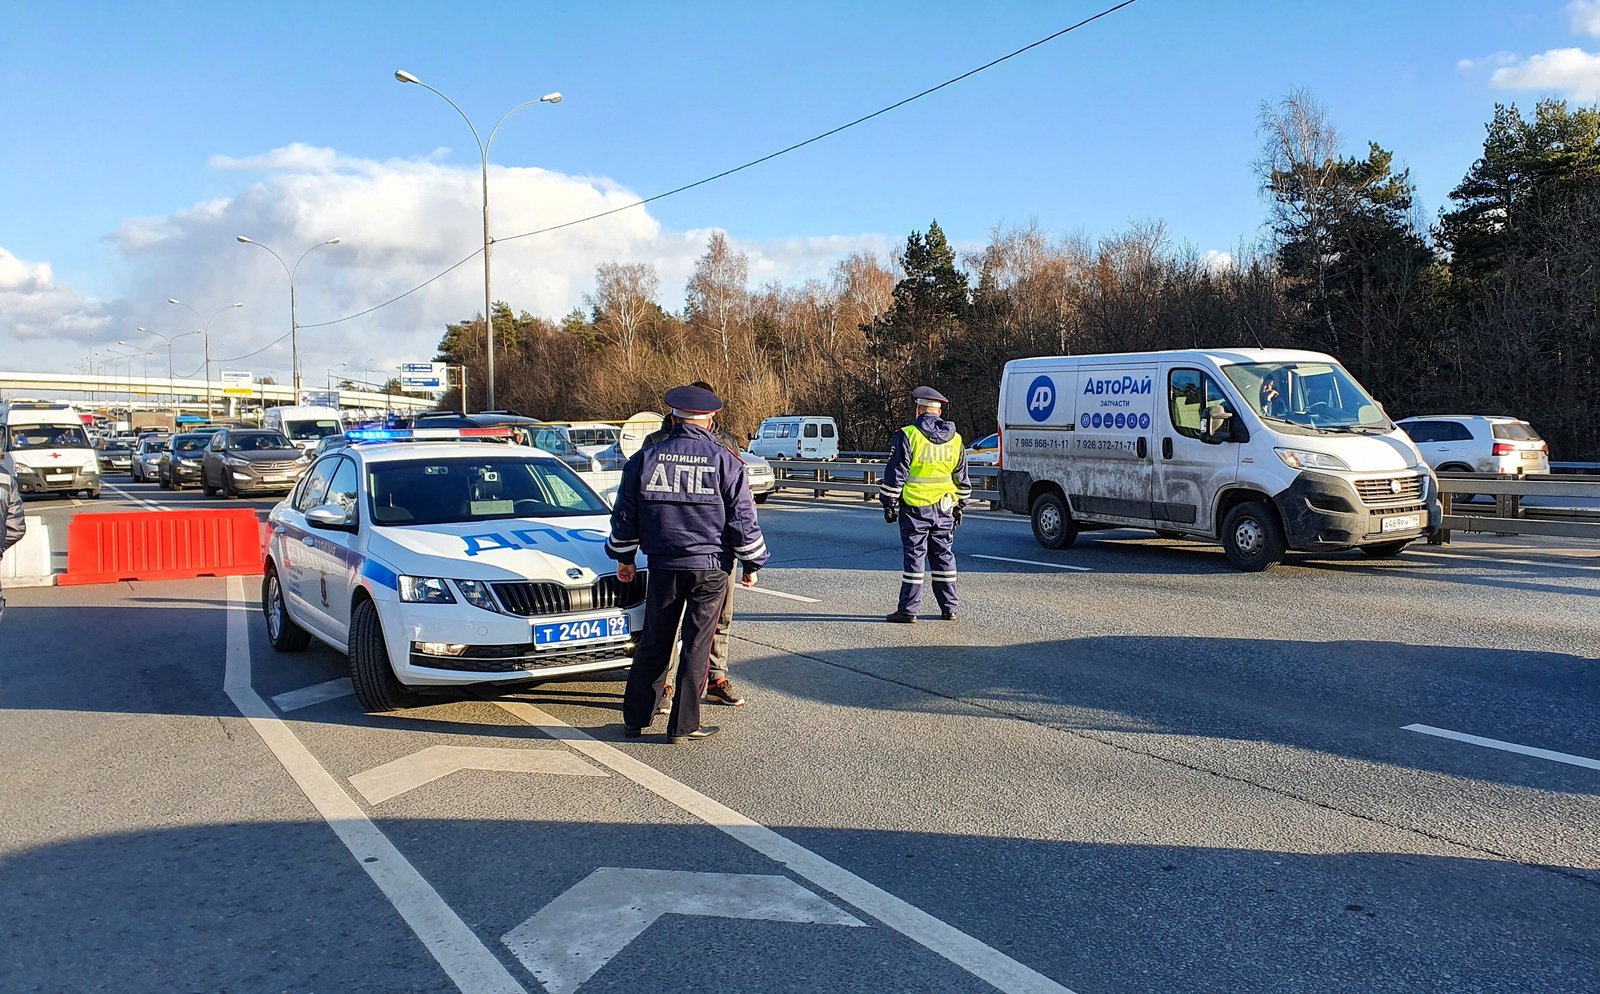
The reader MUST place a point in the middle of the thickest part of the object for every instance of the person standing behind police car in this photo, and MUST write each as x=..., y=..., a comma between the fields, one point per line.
x=719, y=688
x=926, y=487
x=685, y=503
x=12, y=524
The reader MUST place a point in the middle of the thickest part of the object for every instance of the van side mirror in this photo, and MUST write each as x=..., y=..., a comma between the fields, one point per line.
x=1216, y=426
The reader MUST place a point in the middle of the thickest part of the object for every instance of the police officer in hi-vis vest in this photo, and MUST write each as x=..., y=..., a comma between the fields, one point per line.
x=925, y=487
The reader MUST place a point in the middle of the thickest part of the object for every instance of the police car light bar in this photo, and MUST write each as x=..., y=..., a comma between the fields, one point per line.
x=425, y=434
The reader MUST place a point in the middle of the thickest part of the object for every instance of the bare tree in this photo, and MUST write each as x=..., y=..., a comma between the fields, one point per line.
x=624, y=301
x=718, y=301
x=1299, y=174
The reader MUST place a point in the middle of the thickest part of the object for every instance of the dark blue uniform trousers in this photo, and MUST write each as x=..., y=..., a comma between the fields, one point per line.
x=927, y=538
x=677, y=600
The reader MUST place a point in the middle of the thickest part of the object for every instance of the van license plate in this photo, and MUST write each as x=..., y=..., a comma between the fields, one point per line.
x=65, y=478
x=587, y=630
x=1402, y=523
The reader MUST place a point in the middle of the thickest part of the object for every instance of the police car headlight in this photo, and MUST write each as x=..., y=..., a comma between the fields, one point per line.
x=1310, y=459
x=425, y=590
x=476, y=593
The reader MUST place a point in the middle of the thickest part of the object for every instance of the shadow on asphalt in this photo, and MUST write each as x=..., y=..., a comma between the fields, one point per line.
x=281, y=906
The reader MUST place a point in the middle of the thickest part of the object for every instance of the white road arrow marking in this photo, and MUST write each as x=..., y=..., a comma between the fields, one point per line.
x=392, y=779
x=572, y=937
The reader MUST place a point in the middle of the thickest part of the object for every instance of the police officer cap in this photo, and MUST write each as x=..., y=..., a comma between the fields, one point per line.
x=929, y=394
x=692, y=402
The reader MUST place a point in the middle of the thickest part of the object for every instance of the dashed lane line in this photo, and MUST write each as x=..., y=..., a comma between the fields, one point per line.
x=1029, y=562
x=461, y=954
x=1503, y=746
x=148, y=505
x=982, y=961
x=294, y=700
x=779, y=593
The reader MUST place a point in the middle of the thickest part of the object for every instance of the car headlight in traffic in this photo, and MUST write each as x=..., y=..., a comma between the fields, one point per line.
x=425, y=590
x=476, y=593
x=189, y=462
x=237, y=463
x=1310, y=459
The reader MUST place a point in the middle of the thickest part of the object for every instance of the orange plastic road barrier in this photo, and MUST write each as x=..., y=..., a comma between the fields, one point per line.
x=162, y=545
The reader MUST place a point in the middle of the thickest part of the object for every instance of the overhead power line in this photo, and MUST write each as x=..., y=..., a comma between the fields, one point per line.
x=753, y=162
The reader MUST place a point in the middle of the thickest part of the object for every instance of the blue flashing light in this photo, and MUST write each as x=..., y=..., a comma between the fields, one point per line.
x=377, y=434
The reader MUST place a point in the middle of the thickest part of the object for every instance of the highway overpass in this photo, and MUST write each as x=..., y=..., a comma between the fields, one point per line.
x=159, y=391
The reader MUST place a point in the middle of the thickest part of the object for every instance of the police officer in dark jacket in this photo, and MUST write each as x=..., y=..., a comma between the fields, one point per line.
x=12, y=524
x=685, y=503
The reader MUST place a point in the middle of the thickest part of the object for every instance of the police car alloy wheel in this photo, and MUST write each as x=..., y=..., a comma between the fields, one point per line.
x=376, y=688
x=282, y=632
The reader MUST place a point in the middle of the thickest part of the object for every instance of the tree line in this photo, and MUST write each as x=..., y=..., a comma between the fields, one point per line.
x=1490, y=308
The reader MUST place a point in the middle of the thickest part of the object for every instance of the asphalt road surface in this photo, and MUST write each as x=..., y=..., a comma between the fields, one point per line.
x=1127, y=768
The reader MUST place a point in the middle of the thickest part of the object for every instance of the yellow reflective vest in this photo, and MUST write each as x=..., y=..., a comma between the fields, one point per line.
x=931, y=475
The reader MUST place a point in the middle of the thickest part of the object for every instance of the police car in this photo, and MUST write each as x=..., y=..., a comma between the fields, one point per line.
x=434, y=560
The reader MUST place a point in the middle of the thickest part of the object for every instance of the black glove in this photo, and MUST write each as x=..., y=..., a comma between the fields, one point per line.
x=957, y=513
x=891, y=513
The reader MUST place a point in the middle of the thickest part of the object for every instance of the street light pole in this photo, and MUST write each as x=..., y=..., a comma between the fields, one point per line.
x=205, y=336
x=483, y=153
x=169, y=339
x=330, y=374
x=294, y=318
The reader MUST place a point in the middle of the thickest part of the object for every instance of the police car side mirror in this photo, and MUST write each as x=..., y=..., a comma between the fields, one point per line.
x=331, y=517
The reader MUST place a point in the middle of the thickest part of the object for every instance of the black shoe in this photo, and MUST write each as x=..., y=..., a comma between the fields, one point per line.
x=947, y=616
x=703, y=732
x=631, y=732
x=722, y=692
x=902, y=618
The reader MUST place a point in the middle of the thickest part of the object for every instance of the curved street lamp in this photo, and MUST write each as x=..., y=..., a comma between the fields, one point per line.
x=483, y=153
x=169, y=339
x=205, y=336
x=294, y=320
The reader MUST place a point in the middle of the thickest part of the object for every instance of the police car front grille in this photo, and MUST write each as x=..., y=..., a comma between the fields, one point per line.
x=1390, y=490
x=531, y=600
x=512, y=658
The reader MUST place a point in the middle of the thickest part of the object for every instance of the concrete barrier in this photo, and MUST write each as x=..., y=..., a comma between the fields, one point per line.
x=28, y=563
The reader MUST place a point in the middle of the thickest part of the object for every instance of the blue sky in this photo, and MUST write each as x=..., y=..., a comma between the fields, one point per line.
x=116, y=115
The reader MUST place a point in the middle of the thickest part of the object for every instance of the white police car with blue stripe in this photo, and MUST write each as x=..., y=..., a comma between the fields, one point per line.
x=435, y=560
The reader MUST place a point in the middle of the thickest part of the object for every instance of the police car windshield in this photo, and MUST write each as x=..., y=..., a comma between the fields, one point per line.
x=1317, y=396
x=497, y=485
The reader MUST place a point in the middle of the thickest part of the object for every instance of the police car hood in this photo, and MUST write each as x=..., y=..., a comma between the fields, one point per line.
x=500, y=549
x=937, y=430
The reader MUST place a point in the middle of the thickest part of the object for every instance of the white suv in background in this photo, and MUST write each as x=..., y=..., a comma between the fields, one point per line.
x=1475, y=443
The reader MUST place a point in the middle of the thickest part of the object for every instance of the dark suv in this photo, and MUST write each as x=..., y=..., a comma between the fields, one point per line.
x=242, y=460
x=179, y=465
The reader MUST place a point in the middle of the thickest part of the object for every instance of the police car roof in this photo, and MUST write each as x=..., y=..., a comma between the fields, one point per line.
x=400, y=449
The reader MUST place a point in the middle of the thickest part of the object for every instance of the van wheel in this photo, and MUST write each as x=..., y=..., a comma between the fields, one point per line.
x=1386, y=550
x=376, y=688
x=762, y=498
x=1053, y=526
x=282, y=632
x=1252, y=537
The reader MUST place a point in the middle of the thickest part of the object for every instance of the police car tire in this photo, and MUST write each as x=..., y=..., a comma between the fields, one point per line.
x=1066, y=534
x=1267, y=549
x=376, y=688
x=290, y=636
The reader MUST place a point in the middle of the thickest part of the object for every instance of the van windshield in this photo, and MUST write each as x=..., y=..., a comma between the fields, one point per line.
x=1317, y=397
x=311, y=431
x=48, y=437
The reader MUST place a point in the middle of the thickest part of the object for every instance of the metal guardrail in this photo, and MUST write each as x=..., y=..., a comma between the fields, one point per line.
x=1508, y=516
x=849, y=476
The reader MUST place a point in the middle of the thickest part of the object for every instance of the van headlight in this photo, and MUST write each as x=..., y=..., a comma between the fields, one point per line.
x=1310, y=459
x=425, y=590
x=476, y=593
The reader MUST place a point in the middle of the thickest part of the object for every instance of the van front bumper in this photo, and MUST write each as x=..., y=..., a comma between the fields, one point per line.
x=1322, y=513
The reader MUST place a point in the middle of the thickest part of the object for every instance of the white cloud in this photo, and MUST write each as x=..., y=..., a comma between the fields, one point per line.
x=1217, y=261
x=1566, y=70
x=1495, y=61
x=401, y=222
x=1585, y=17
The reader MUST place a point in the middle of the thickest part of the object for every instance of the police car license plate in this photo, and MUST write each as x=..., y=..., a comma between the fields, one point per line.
x=1402, y=523
x=577, y=632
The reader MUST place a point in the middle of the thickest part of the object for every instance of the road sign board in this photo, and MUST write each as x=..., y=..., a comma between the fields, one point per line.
x=428, y=376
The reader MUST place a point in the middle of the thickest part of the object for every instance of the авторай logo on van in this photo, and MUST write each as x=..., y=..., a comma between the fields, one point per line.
x=1041, y=398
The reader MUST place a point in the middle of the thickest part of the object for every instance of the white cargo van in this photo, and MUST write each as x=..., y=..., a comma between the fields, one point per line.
x=793, y=437
x=48, y=448
x=1264, y=450
x=305, y=426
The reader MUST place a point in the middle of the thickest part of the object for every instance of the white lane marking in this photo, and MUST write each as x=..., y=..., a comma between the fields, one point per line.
x=294, y=700
x=1498, y=562
x=574, y=936
x=1478, y=740
x=984, y=962
x=397, y=776
x=462, y=955
x=779, y=593
x=1029, y=562
x=148, y=505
